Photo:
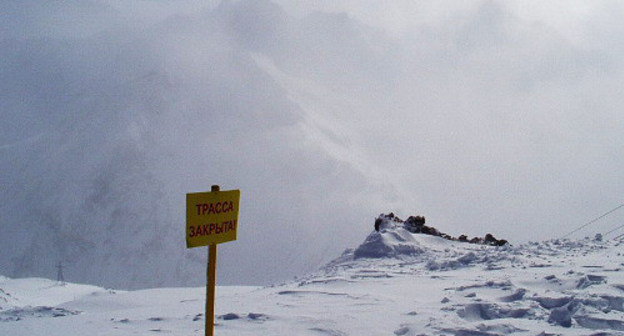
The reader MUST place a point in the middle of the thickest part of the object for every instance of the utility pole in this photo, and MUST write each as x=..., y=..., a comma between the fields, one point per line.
x=59, y=274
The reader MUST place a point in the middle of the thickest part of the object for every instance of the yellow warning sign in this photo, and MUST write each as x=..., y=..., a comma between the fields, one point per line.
x=211, y=217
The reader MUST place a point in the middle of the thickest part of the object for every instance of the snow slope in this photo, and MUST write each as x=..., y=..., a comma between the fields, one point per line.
x=427, y=286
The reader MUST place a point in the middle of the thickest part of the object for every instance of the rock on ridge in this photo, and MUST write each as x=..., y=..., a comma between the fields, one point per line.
x=394, y=237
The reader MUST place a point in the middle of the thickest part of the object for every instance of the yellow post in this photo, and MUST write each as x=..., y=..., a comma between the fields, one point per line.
x=210, y=289
x=212, y=282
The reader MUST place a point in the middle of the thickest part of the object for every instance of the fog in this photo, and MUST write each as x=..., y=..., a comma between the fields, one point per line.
x=489, y=116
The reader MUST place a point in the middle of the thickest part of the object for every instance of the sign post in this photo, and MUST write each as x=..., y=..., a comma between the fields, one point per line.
x=211, y=286
x=211, y=219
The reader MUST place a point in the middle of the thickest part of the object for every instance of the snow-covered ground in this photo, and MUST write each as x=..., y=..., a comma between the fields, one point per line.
x=416, y=285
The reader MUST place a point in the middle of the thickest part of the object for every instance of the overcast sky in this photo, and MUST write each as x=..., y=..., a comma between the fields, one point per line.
x=486, y=116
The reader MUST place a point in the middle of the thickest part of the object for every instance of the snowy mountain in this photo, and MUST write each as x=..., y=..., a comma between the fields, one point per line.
x=104, y=132
x=423, y=285
x=473, y=113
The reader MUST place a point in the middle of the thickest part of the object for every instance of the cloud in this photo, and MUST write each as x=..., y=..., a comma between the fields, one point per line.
x=483, y=116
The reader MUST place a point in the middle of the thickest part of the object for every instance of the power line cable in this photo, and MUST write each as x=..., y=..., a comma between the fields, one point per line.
x=594, y=220
x=617, y=228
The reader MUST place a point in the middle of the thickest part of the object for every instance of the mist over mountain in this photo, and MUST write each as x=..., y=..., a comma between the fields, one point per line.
x=479, y=116
x=108, y=132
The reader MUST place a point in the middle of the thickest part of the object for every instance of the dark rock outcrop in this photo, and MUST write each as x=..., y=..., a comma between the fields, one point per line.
x=416, y=224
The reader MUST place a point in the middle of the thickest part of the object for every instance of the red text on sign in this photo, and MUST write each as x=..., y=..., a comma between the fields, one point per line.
x=214, y=208
x=212, y=228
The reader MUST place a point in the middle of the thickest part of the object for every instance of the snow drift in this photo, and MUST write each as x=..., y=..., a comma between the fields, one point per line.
x=436, y=287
